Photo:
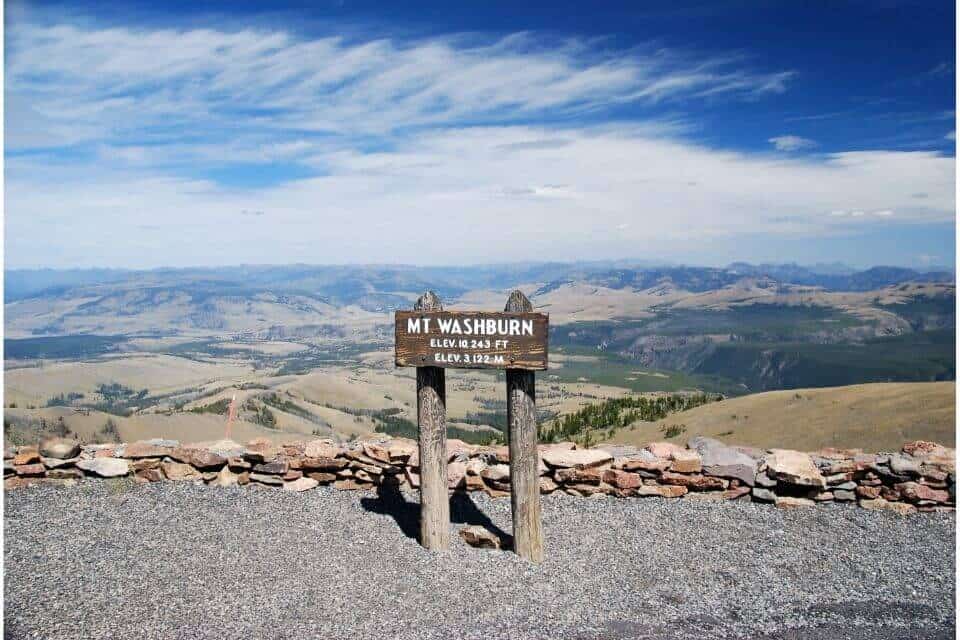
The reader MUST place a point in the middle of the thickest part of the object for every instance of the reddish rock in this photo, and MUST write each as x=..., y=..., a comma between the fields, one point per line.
x=576, y=458
x=180, y=471
x=695, y=482
x=664, y=449
x=401, y=451
x=640, y=464
x=300, y=484
x=292, y=474
x=59, y=448
x=65, y=474
x=889, y=493
x=26, y=455
x=377, y=452
x=19, y=482
x=794, y=467
x=868, y=493
x=145, y=463
x=547, y=485
x=141, y=449
x=323, y=464
x=198, y=458
x=479, y=537
x=788, y=502
x=685, y=462
x=351, y=485
x=664, y=491
x=622, y=479
x=35, y=469
x=821, y=496
x=734, y=493
x=105, y=452
x=914, y=492
x=579, y=476
x=844, y=466
x=321, y=449
x=922, y=448
x=260, y=450
x=148, y=475
x=322, y=477
x=456, y=475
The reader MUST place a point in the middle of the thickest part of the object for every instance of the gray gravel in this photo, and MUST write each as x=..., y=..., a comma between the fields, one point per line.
x=173, y=560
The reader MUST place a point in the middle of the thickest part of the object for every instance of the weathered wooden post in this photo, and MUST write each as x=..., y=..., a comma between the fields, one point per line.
x=432, y=437
x=432, y=339
x=524, y=459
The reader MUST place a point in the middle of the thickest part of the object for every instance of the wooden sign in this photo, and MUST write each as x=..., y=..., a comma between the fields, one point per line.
x=471, y=340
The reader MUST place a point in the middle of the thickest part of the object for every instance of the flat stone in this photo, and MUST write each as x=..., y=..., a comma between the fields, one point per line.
x=734, y=493
x=664, y=491
x=301, y=484
x=148, y=475
x=685, y=462
x=322, y=477
x=105, y=467
x=198, y=458
x=458, y=449
x=622, y=479
x=706, y=496
x=844, y=495
x=763, y=495
x=56, y=463
x=642, y=464
x=868, y=493
x=547, y=485
x=26, y=455
x=292, y=474
x=351, y=485
x=35, y=469
x=579, y=476
x=794, y=467
x=60, y=448
x=266, y=478
x=904, y=465
x=576, y=458
x=695, y=482
x=321, y=449
x=789, y=502
x=377, y=452
x=845, y=486
x=456, y=474
x=18, y=482
x=323, y=464
x=180, y=471
x=65, y=474
x=479, y=537
x=238, y=464
x=821, y=496
x=401, y=450
x=142, y=449
x=664, y=449
x=923, y=448
x=260, y=450
x=723, y=461
x=915, y=492
x=880, y=504
x=277, y=468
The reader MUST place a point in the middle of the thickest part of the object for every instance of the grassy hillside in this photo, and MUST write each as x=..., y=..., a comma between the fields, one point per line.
x=875, y=417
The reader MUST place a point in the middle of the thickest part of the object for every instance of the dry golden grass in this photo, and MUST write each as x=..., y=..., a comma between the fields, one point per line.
x=875, y=417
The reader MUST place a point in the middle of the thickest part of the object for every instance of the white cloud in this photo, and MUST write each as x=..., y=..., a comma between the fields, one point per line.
x=791, y=143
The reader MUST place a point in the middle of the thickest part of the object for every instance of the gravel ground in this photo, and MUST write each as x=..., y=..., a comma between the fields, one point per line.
x=173, y=560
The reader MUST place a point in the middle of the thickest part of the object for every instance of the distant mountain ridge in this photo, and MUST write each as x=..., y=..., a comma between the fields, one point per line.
x=376, y=284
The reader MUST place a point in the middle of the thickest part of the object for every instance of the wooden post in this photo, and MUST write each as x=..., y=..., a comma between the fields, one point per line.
x=432, y=426
x=524, y=459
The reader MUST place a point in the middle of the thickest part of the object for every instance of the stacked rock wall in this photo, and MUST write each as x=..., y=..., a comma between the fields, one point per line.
x=920, y=477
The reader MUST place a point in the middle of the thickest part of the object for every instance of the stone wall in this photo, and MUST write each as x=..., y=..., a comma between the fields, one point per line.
x=921, y=477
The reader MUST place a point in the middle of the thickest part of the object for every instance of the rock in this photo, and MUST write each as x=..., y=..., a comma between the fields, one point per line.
x=821, y=496
x=266, y=478
x=915, y=492
x=497, y=454
x=880, y=504
x=148, y=475
x=323, y=464
x=322, y=477
x=763, y=495
x=142, y=449
x=547, y=485
x=579, y=476
x=277, y=468
x=923, y=448
x=198, y=458
x=789, y=502
x=35, y=469
x=765, y=481
x=734, y=493
x=65, y=474
x=844, y=467
x=685, y=462
x=706, y=496
x=496, y=473
x=56, y=463
x=260, y=450
x=105, y=467
x=293, y=474
x=26, y=455
x=889, y=493
x=868, y=493
x=845, y=486
x=60, y=448
x=401, y=450
x=693, y=481
x=238, y=464
x=479, y=537
x=621, y=479
x=794, y=467
x=904, y=465
x=458, y=449
x=456, y=475
x=377, y=452
x=301, y=484
x=180, y=471
x=225, y=478
x=723, y=461
x=663, y=449
x=321, y=449
x=223, y=448
x=576, y=458
x=18, y=482
x=844, y=495
x=838, y=479
x=642, y=464
x=664, y=491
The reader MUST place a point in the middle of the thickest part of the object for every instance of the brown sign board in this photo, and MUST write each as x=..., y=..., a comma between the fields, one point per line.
x=471, y=340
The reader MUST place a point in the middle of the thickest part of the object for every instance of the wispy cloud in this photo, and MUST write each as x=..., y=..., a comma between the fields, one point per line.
x=791, y=143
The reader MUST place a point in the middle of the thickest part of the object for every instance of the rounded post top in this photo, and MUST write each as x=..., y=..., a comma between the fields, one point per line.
x=518, y=303
x=429, y=301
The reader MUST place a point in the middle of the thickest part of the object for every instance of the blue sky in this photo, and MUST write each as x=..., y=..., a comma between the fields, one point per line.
x=433, y=133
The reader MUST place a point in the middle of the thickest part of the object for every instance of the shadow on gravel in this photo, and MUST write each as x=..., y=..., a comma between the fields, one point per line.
x=390, y=501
